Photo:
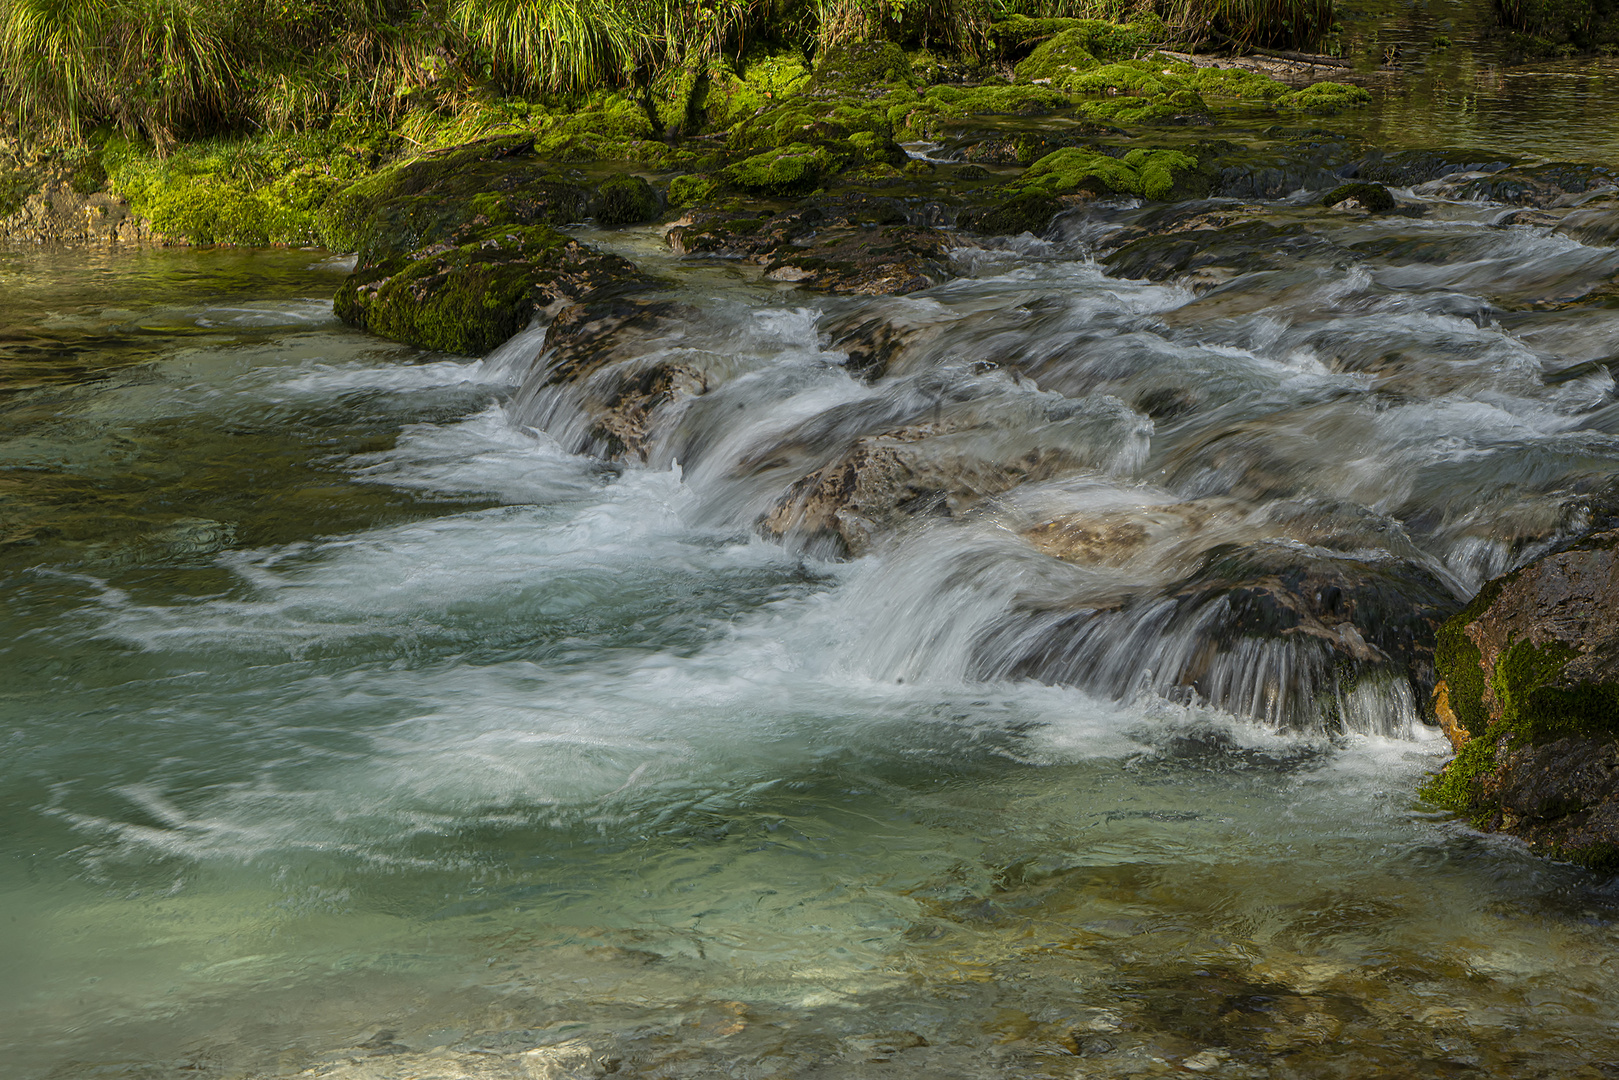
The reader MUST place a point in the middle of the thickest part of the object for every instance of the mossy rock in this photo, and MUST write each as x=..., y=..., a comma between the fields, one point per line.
x=1136, y=91
x=470, y=297
x=1372, y=197
x=1019, y=33
x=1058, y=59
x=1237, y=84
x=764, y=79
x=1325, y=98
x=855, y=126
x=626, y=200
x=867, y=68
x=439, y=196
x=793, y=169
x=1530, y=677
x=928, y=115
x=1150, y=174
x=691, y=189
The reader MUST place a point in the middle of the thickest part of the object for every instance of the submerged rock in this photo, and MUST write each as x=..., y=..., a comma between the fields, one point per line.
x=1530, y=697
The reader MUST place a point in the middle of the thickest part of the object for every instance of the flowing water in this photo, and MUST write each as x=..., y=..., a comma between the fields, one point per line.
x=356, y=724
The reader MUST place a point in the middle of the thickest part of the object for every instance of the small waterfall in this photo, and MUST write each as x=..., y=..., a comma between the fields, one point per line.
x=1260, y=493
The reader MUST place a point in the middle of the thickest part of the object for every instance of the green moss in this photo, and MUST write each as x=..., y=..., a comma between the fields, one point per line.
x=465, y=300
x=1151, y=174
x=1374, y=197
x=691, y=189
x=1325, y=97
x=1059, y=59
x=926, y=116
x=793, y=169
x=1236, y=83
x=1458, y=662
x=626, y=200
x=765, y=79
x=15, y=187
x=1460, y=786
x=1099, y=38
x=860, y=68
x=1136, y=91
x=266, y=190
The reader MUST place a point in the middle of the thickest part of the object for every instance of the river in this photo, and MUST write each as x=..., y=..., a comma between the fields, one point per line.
x=355, y=726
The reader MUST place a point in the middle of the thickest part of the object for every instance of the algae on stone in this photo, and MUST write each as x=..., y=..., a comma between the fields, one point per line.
x=625, y=200
x=792, y=169
x=1150, y=174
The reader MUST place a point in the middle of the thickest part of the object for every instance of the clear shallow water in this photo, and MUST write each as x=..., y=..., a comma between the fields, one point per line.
x=355, y=726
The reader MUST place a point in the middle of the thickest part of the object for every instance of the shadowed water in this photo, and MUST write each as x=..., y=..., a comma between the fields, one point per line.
x=356, y=724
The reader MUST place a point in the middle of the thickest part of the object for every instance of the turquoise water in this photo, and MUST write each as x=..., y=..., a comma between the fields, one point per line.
x=353, y=727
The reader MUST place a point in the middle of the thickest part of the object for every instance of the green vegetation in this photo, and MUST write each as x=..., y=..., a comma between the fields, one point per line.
x=171, y=70
x=1560, y=27
x=1150, y=174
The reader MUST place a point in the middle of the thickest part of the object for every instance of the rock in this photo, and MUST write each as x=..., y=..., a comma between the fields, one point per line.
x=469, y=296
x=1372, y=198
x=626, y=200
x=1258, y=629
x=1540, y=186
x=845, y=244
x=1596, y=225
x=1530, y=678
x=598, y=355
x=887, y=480
x=456, y=250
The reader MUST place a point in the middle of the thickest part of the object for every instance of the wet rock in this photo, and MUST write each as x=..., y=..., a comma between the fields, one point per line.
x=1411, y=167
x=626, y=200
x=1538, y=186
x=1596, y=225
x=604, y=353
x=470, y=293
x=455, y=249
x=1530, y=674
x=1241, y=247
x=1032, y=212
x=887, y=480
x=1372, y=198
x=1258, y=630
x=849, y=244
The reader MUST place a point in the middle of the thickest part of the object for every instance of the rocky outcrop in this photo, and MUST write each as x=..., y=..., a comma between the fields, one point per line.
x=851, y=244
x=457, y=250
x=1529, y=695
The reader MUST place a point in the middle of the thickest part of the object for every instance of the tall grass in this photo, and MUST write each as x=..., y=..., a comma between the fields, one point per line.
x=171, y=69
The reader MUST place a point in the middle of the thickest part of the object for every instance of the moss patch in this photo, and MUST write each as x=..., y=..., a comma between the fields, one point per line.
x=691, y=189
x=1325, y=97
x=626, y=200
x=238, y=191
x=1150, y=174
x=793, y=169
